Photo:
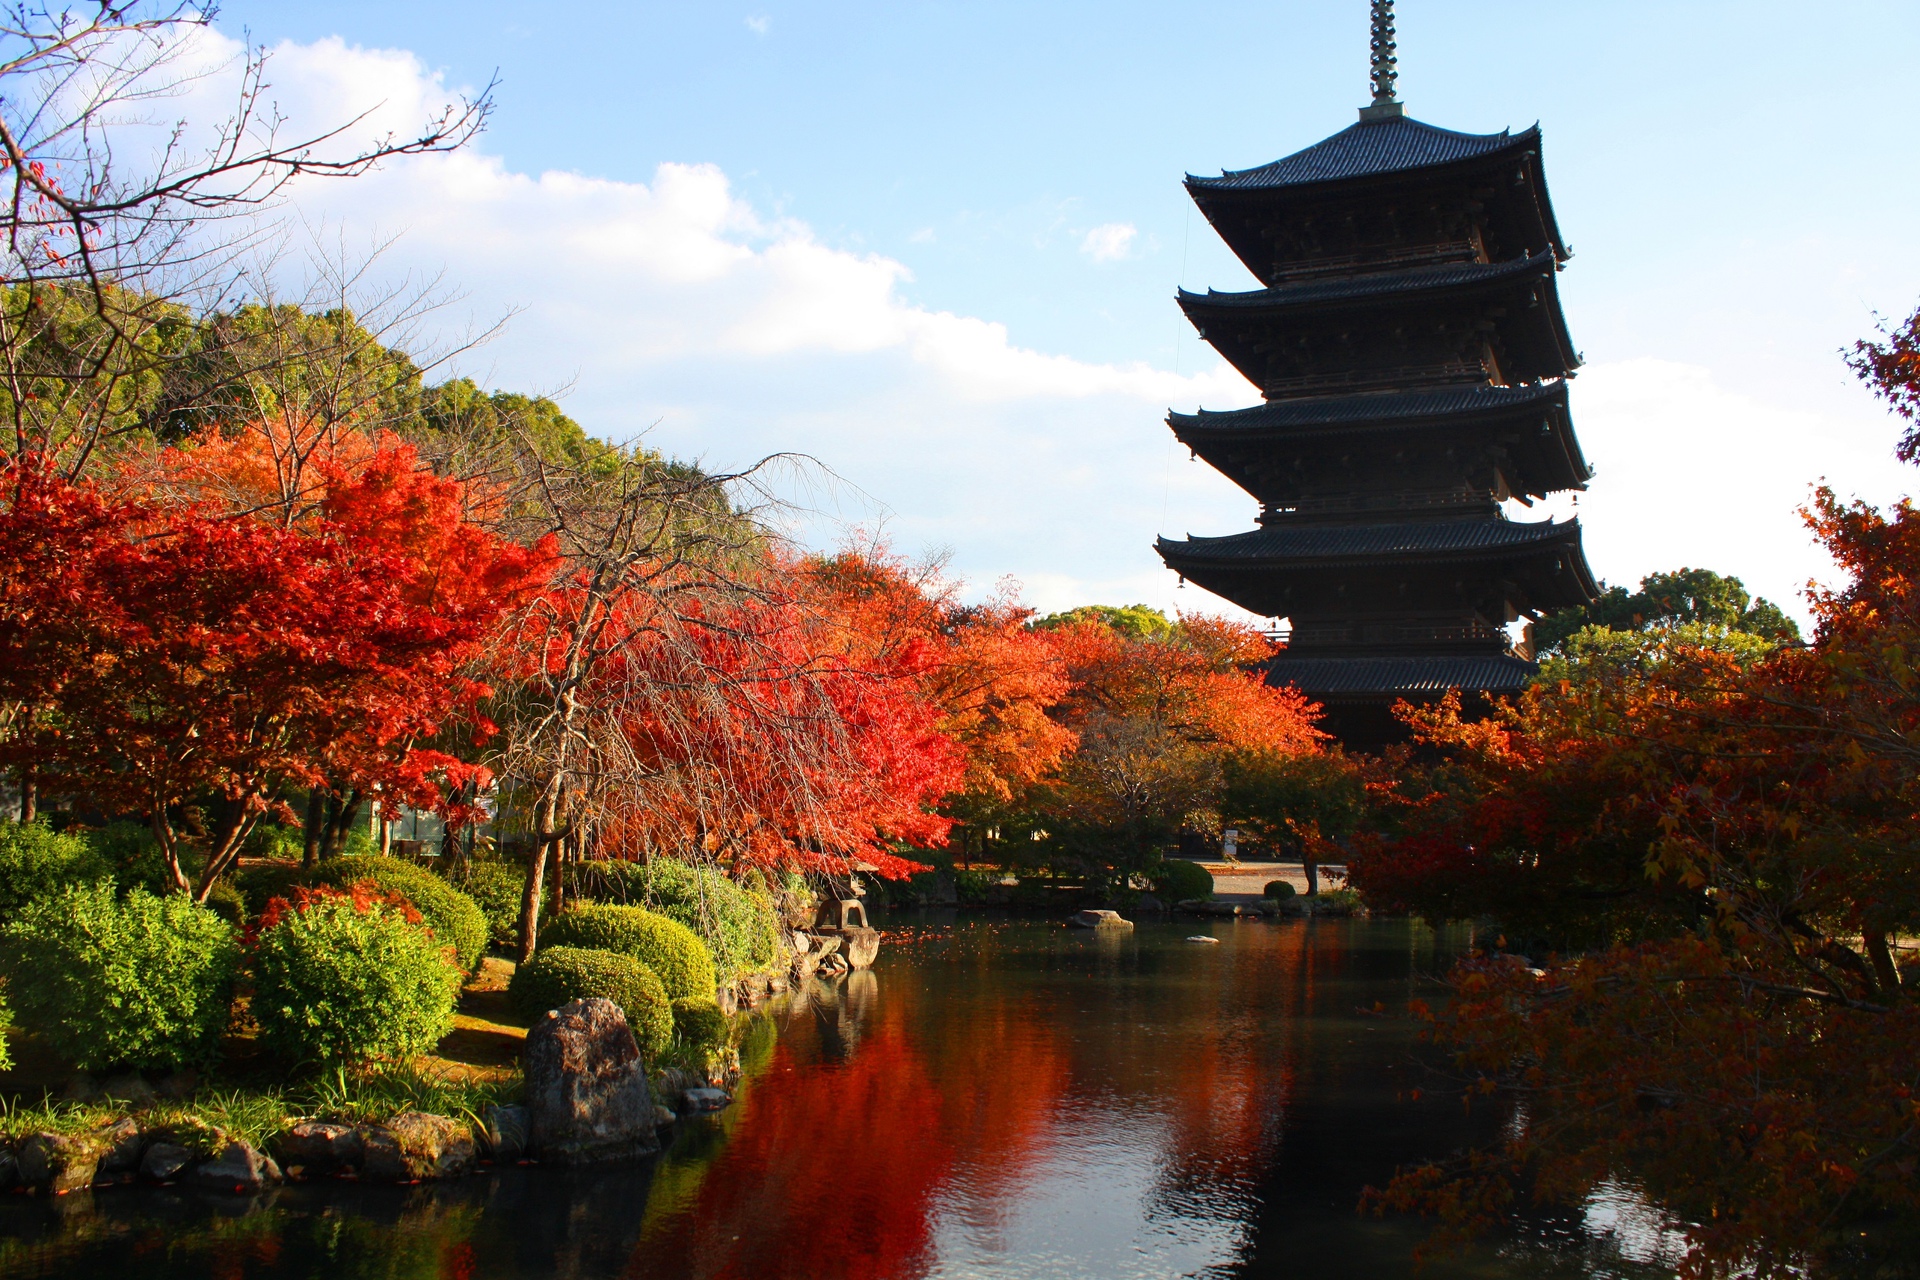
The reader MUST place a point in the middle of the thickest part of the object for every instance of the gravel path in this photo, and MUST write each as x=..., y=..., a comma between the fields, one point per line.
x=1248, y=880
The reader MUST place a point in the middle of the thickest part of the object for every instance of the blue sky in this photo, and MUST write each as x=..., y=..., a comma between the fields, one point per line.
x=935, y=245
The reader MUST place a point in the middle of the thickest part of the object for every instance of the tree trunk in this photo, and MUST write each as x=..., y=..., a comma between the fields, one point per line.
x=340, y=813
x=546, y=812
x=1881, y=955
x=225, y=850
x=29, y=793
x=316, y=820
x=169, y=849
x=557, y=860
x=1311, y=866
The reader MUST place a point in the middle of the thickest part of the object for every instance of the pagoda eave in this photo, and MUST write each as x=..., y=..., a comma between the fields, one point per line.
x=1389, y=150
x=1528, y=427
x=1458, y=325
x=1327, y=679
x=1389, y=289
x=1503, y=188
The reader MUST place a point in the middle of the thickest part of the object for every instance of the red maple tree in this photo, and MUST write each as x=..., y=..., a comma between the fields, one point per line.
x=169, y=651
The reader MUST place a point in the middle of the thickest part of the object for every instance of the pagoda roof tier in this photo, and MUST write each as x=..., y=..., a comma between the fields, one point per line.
x=1430, y=326
x=1540, y=565
x=1442, y=194
x=1530, y=424
x=1397, y=146
x=1344, y=679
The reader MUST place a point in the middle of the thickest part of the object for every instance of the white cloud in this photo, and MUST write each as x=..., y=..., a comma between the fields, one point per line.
x=759, y=24
x=675, y=307
x=1109, y=242
x=1692, y=473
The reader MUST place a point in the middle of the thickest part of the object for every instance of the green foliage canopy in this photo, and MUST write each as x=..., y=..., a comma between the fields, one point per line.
x=1136, y=621
x=738, y=926
x=36, y=862
x=1666, y=600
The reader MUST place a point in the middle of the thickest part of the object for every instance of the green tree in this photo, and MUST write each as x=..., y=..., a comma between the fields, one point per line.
x=1667, y=600
x=1135, y=621
x=1310, y=800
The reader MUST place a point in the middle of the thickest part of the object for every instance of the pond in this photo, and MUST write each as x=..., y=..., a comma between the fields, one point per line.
x=996, y=1098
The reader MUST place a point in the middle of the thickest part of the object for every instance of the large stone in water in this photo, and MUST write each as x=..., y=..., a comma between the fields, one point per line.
x=587, y=1097
x=165, y=1161
x=503, y=1133
x=1099, y=920
x=860, y=946
x=124, y=1145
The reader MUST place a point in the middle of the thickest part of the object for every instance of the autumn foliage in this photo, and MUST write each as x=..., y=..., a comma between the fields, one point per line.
x=156, y=652
x=1702, y=863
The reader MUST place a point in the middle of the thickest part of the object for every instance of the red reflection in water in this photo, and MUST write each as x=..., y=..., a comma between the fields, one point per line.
x=843, y=1153
x=832, y=1167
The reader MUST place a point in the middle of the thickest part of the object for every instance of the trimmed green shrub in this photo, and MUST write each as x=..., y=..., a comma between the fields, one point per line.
x=737, y=924
x=455, y=918
x=669, y=948
x=1177, y=880
x=559, y=975
x=36, y=862
x=1279, y=889
x=495, y=888
x=146, y=982
x=699, y=1023
x=339, y=981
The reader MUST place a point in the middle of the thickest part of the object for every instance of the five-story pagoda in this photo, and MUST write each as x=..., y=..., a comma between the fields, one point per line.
x=1412, y=353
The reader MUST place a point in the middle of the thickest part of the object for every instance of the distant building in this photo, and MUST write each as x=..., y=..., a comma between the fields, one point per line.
x=1412, y=352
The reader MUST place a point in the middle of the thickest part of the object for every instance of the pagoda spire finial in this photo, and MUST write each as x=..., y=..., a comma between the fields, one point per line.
x=1385, y=66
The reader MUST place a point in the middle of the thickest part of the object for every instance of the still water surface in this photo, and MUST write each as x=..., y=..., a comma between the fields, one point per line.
x=996, y=1098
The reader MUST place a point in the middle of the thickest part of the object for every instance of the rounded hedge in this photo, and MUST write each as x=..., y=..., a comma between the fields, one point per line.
x=143, y=982
x=559, y=975
x=337, y=981
x=455, y=918
x=737, y=924
x=37, y=862
x=496, y=888
x=669, y=948
x=1177, y=880
x=699, y=1023
x=1280, y=889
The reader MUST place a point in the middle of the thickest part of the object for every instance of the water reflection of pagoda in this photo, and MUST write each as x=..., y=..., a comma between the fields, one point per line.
x=1411, y=350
